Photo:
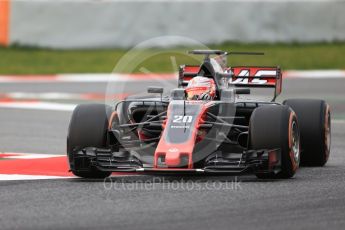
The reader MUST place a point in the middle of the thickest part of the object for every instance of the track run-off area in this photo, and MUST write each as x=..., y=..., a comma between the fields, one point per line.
x=38, y=192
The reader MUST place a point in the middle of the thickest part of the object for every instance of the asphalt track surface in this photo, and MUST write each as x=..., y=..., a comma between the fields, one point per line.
x=313, y=199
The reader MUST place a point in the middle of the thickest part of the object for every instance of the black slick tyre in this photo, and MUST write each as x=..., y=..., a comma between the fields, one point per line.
x=88, y=128
x=276, y=127
x=314, y=119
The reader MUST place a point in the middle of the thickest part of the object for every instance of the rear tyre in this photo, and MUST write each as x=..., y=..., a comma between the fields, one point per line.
x=273, y=127
x=314, y=118
x=88, y=128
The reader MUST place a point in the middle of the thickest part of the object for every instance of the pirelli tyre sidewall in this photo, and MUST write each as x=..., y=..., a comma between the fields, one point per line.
x=314, y=118
x=88, y=128
x=276, y=127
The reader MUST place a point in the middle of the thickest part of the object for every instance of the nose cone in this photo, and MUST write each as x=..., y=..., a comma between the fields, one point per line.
x=173, y=159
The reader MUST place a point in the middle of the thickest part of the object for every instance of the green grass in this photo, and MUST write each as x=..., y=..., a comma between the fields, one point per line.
x=21, y=60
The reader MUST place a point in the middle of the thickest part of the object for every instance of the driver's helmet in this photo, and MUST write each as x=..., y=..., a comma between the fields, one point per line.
x=201, y=88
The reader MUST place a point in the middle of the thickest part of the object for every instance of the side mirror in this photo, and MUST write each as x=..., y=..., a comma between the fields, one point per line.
x=178, y=94
x=242, y=91
x=153, y=89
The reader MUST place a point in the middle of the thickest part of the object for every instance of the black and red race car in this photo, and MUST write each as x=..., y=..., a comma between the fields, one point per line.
x=228, y=134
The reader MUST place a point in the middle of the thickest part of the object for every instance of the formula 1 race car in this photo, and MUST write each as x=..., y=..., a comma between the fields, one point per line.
x=222, y=133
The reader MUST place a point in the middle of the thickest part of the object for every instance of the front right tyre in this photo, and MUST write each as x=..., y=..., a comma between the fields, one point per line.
x=87, y=128
x=314, y=118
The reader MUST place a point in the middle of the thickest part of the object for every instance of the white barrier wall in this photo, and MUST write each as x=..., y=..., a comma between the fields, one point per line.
x=120, y=23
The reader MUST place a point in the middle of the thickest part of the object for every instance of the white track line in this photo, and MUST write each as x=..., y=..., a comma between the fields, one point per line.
x=59, y=96
x=106, y=77
x=93, y=78
x=86, y=78
x=29, y=155
x=314, y=74
x=15, y=177
x=338, y=121
x=43, y=96
x=38, y=106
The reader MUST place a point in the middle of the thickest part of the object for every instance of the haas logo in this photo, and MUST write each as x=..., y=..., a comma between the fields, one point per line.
x=173, y=150
x=244, y=77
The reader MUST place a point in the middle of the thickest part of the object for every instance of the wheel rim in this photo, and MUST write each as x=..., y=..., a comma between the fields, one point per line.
x=328, y=133
x=295, y=141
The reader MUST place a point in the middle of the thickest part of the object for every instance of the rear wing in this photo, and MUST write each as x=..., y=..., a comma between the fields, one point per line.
x=265, y=77
x=241, y=76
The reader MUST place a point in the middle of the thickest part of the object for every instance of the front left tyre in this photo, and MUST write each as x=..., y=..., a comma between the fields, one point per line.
x=276, y=127
x=87, y=128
